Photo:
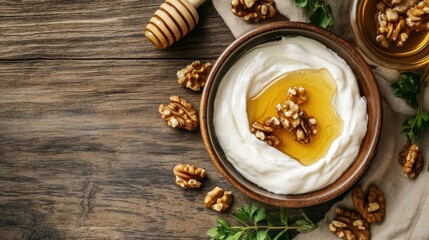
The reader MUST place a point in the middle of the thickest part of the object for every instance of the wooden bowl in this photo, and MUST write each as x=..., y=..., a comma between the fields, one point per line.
x=368, y=88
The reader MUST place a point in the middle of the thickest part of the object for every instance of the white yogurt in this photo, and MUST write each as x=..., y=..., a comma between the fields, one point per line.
x=262, y=164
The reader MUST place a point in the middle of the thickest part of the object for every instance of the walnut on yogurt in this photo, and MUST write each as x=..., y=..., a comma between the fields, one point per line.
x=289, y=118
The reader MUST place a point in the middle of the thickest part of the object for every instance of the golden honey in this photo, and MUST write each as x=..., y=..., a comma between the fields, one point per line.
x=320, y=89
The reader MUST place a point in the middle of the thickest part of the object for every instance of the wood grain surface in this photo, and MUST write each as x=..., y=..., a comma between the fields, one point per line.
x=84, y=153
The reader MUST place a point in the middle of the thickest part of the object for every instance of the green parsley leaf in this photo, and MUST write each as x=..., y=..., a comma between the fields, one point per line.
x=408, y=88
x=320, y=12
x=262, y=235
x=256, y=224
x=306, y=4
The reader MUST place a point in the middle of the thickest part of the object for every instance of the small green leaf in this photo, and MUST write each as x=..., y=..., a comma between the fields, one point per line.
x=259, y=215
x=425, y=119
x=301, y=3
x=245, y=213
x=237, y=236
x=222, y=223
x=212, y=232
x=262, y=235
x=306, y=228
x=320, y=12
x=407, y=87
x=284, y=216
x=305, y=224
x=302, y=222
x=252, y=209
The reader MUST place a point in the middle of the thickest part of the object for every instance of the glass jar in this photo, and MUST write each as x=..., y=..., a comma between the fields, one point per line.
x=414, y=54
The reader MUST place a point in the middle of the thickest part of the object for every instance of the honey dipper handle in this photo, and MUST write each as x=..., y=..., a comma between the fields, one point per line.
x=196, y=3
x=172, y=21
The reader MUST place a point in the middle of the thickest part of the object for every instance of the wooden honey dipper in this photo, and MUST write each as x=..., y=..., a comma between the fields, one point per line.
x=172, y=21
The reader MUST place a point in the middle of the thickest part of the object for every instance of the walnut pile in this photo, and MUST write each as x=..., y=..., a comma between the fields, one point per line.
x=265, y=133
x=349, y=226
x=297, y=94
x=218, y=199
x=194, y=76
x=390, y=27
x=355, y=226
x=373, y=209
x=411, y=160
x=188, y=176
x=396, y=19
x=179, y=114
x=253, y=10
x=289, y=118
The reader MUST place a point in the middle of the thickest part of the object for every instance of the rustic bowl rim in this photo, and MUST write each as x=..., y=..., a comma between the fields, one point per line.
x=369, y=89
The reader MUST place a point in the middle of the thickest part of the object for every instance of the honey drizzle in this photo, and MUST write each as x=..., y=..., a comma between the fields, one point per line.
x=320, y=89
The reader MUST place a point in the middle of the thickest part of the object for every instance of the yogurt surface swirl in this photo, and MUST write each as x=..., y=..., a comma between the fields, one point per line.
x=256, y=160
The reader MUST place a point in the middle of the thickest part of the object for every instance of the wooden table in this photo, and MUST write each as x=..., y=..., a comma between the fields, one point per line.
x=84, y=153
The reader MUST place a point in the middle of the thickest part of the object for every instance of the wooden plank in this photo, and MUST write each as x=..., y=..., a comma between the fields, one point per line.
x=99, y=29
x=84, y=153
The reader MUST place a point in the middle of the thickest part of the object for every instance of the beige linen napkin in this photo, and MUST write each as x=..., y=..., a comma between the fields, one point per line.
x=407, y=204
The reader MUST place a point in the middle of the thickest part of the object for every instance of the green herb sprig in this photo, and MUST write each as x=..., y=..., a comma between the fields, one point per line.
x=256, y=224
x=410, y=87
x=320, y=12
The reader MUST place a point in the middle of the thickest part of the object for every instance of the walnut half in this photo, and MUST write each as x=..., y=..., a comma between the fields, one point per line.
x=179, y=114
x=411, y=160
x=218, y=199
x=297, y=94
x=194, y=76
x=373, y=209
x=253, y=10
x=306, y=129
x=418, y=16
x=264, y=132
x=349, y=226
x=288, y=113
x=188, y=176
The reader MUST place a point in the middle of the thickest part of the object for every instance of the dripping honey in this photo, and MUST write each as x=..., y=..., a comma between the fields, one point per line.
x=320, y=89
